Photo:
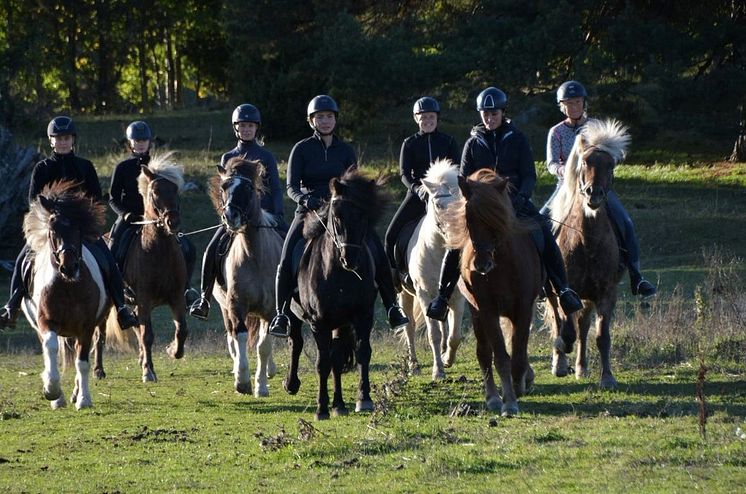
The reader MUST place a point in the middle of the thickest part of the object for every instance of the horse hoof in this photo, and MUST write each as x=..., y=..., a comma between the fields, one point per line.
x=271, y=370
x=58, y=403
x=414, y=369
x=149, y=377
x=99, y=374
x=340, y=412
x=243, y=388
x=581, y=373
x=530, y=377
x=292, y=386
x=86, y=403
x=364, y=406
x=261, y=392
x=322, y=416
x=608, y=382
x=559, y=365
x=494, y=404
x=52, y=391
x=438, y=374
x=560, y=346
x=509, y=410
x=175, y=351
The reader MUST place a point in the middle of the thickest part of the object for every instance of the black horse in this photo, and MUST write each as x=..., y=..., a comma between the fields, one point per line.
x=336, y=289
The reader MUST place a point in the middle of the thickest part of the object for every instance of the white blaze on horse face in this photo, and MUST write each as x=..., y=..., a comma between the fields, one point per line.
x=232, y=217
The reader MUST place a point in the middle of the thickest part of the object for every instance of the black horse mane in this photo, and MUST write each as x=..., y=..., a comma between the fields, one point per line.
x=251, y=169
x=365, y=193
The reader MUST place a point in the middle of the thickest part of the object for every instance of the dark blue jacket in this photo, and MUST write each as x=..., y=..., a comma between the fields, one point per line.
x=61, y=167
x=419, y=150
x=124, y=195
x=272, y=197
x=504, y=150
x=312, y=165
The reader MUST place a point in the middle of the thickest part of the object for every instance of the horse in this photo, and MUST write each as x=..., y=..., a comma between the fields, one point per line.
x=154, y=267
x=425, y=252
x=336, y=289
x=68, y=297
x=247, y=296
x=586, y=238
x=501, y=275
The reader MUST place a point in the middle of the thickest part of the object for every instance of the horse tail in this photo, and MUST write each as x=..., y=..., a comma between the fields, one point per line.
x=67, y=353
x=116, y=339
x=253, y=323
x=346, y=346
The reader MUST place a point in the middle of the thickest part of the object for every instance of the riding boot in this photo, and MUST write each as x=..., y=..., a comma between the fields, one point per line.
x=568, y=298
x=201, y=307
x=280, y=325
x=395, y=315
x=638, y=284
x=450, y=271
x=10, y=312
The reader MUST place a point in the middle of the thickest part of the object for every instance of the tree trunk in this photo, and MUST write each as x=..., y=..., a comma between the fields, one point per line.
x=170, y=69
x=739, y=149
x=70, y=41
x=15, y=174
x=104, y=89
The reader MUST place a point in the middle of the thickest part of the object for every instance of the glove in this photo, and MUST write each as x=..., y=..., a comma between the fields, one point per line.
x=521, y=203
x=310, y=202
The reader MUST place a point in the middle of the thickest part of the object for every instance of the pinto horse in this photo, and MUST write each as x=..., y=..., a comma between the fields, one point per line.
x=336, y=289
x=247, y=297
x=585, y=235
x=424, y=256
x=501, y=277
x=154, y=267
x=68, y=297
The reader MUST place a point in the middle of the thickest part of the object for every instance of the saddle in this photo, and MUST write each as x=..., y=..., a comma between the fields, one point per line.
x=224, y=246
x=124, y=246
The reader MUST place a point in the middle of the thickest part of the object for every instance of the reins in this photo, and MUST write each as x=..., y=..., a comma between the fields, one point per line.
x=333, y=234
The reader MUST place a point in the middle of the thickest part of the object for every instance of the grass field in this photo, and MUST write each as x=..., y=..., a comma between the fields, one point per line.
x=190, y=431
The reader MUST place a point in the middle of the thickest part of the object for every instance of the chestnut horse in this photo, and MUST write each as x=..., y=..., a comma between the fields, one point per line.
x=585, y=236
x=501, y=276
x=68, y=297
x=336, y=289
x=154, y=267
x=247, y=296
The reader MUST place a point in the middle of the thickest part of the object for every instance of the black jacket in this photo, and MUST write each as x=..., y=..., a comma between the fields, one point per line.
x=125, y=197
x=419, y=151
x=65, y=167
x=272, y=197
x=504, y=150
x=311, y=165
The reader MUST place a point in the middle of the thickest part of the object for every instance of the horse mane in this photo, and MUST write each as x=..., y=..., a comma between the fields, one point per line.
x=72, y=203
x=440, y=170
x=252, y=169
x=162, y=165
x=609, y=136
x=364, y=192
x=487, y=202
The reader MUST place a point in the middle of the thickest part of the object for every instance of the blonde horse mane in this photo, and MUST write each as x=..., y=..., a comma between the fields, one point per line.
x=609, y=136
x=163, y=166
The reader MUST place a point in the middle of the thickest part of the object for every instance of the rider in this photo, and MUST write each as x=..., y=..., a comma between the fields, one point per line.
x=63, y=164
x=313, y=163
x=126, y=201
x=245, y=121
x=497, y=144
x=572, y=99
x=418, y=152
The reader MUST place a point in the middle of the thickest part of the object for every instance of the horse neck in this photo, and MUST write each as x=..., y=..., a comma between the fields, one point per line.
x=155, y=237
x=430, y=232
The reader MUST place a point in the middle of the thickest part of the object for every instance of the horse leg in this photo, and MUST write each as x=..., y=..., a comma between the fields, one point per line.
x=339, y=339
x=455, y=314
x=323, y=337
x=145, y=338
x=175, y=349
x=82, y=393
x=363, y=352
x=484, y=357
x=263, y=355
x=603, y=343
x=519, y=350
x=434, y=336
x=99, y=342
x=51, y=375
x=407, y=302
x=560, y=365
x=291, y=383
x=502, y=361
x=581, y=359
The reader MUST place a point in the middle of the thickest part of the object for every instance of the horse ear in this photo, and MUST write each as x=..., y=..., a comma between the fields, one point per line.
x=463, y=184
x=501, y=185
x=221, y=169
x=337, y=186
x=430, y=186
x=147, y=172
x=46, y=203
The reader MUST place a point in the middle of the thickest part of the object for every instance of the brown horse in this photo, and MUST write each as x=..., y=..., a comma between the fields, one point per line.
x=501, y=278
x=155, y=268
x=247, y=297
x=68, y=297
x=585, y=236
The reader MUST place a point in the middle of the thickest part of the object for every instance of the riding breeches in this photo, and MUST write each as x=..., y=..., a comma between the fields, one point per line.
x=411, y=209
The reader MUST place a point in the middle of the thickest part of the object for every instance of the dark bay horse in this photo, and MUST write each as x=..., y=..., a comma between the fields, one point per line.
x=585, y=236
x=247, y=298
x=155, y=268
x=501, y=278
x=68, y=297
x=336, y=289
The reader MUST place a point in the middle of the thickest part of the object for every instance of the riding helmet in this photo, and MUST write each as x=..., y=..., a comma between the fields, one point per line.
x=492, y=99
x=60, y=126
x=246, y=113
x=139, y=131
x=322, y=102
x=425, y=104
x=571, y=89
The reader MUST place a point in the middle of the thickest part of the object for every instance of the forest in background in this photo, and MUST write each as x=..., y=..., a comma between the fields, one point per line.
x=660, y=66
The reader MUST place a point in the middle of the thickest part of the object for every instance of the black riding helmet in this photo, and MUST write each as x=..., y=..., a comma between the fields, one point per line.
x=492, y=99
x=424, y=105
x=60, y=126
x=139, y=131
x=570, y=89
x=322, y=102
x=246, y=113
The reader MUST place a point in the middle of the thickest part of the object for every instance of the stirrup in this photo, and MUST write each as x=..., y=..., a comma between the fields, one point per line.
x=280, y=326
x=191, y=296
x=200, y=308
x=644, y=289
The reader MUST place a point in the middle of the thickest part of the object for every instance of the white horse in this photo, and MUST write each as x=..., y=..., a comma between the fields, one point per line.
x=424, y=257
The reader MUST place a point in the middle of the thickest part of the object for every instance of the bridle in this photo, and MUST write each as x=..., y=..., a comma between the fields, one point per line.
x=58, y=248
x=161, y=214
x=334, y=234
x=584, y=188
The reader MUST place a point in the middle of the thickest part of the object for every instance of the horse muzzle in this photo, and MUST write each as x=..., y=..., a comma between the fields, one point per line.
x=483, y=263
